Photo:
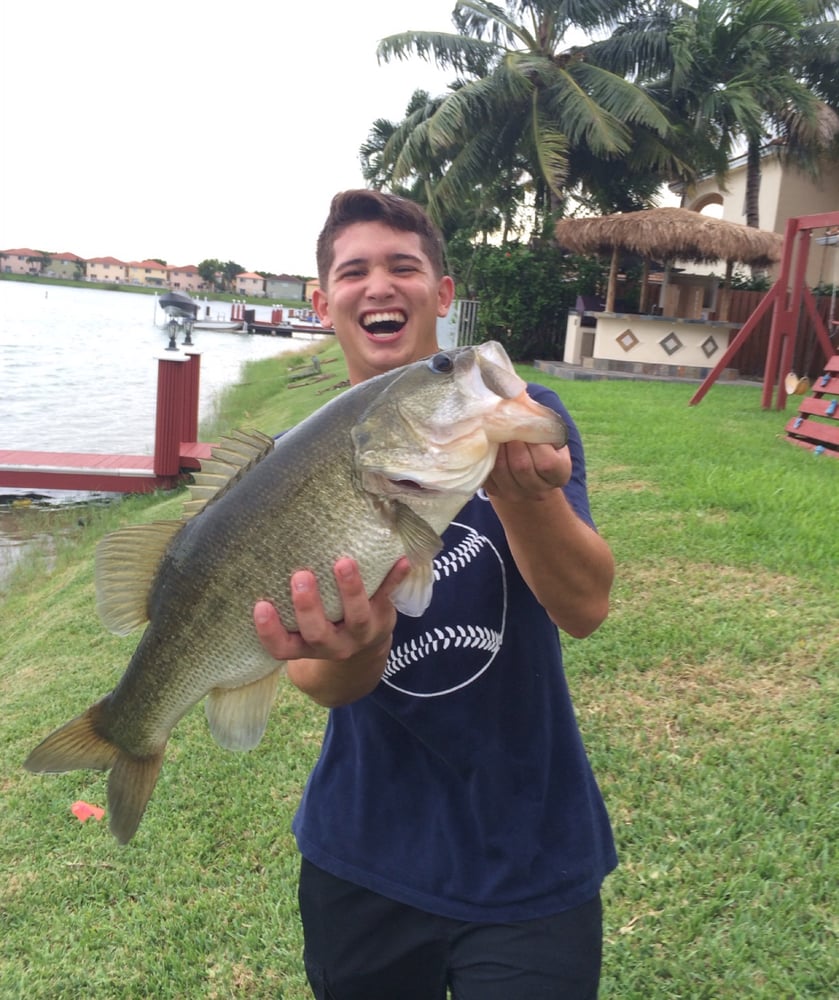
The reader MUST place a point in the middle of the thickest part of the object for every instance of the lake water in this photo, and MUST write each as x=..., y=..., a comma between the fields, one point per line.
x=78, y=372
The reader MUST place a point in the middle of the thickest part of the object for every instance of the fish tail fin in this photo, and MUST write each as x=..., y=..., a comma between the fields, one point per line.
x=83, y=743
x=130, y=786
x=80, y=743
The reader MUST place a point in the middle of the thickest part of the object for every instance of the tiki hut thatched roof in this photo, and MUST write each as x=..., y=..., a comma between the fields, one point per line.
x=666, y=234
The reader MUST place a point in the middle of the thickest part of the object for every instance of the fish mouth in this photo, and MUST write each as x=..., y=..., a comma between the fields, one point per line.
x=412, y=486
x=396, y=485
x=384, y=322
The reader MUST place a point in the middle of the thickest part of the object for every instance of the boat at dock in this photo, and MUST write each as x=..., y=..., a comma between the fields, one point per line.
x=178, y=305
x=227, y=325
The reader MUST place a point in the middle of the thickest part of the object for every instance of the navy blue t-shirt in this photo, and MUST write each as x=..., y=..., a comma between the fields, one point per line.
x=460, y=785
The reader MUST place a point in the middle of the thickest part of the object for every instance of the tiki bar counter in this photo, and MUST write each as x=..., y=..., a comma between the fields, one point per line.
x=687, y=330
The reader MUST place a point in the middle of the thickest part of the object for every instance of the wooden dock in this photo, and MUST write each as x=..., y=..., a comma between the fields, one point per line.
x=176, y=452
x=53, y=470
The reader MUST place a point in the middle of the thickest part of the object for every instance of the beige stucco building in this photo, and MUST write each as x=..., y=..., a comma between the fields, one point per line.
x=106, y=269
x=185, y=278
x=21, y=260
x=785, y=192
x=147, y=272
x=248, y=283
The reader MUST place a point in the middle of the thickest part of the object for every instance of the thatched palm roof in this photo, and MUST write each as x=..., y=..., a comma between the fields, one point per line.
x=671, y=234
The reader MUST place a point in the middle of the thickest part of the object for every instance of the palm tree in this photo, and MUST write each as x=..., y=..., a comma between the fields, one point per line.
x=386, y=139
x=525, y=107
x=738, y=73
x=484, y=210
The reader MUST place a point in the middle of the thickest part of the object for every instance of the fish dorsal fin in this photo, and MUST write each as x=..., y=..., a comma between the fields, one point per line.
x=232, y=457
x=238, y=716
x=422, y=543
x=126, y=564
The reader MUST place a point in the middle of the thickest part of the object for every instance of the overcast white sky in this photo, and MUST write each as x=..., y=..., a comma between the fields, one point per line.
x=187, y=129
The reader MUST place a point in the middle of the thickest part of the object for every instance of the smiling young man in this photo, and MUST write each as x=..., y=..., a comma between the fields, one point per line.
x=453, y=835
x=382, y=290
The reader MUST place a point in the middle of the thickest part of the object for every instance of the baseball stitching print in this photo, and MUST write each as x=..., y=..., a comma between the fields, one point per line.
x=466, y=565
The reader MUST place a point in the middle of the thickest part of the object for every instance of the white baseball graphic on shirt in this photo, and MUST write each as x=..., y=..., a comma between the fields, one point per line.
x=471, y=556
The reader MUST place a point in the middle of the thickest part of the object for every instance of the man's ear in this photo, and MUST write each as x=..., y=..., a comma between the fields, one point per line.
x=320, y=301
x=445, y=295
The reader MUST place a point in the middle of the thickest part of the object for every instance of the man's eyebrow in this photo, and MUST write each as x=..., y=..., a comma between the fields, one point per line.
x=354, y=262
x=393, y=258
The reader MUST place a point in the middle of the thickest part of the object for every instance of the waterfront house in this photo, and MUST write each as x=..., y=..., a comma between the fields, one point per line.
x=21, y=261
x=106, y=269
x=311, y=285
x=147, y=272
x=284, y=286
x=248, y=283
x=185, y=278
x=65, y=265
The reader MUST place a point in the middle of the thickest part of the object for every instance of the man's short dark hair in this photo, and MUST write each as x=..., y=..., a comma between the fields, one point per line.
x=365, y=205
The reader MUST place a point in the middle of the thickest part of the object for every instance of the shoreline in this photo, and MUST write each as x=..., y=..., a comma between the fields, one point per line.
x=102, y=286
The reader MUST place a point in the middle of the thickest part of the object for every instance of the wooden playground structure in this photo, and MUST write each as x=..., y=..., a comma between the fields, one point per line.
x=817, y=424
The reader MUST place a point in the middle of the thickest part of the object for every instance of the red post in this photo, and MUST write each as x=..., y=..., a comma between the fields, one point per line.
x=786, y=305
x=742, y=336
x=784, y=329
x=189, y=428
x=168, y=433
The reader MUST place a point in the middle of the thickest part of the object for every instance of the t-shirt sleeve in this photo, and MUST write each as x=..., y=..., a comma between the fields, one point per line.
x=576, y=489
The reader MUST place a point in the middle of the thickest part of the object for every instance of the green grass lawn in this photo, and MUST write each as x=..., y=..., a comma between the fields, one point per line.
x=707, y=700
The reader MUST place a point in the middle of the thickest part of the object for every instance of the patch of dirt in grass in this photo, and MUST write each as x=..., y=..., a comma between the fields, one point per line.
x=701, y=583
x=624, y=486
x=19, y=882
x=678, y=711
x=691, y=696
x=617, y=478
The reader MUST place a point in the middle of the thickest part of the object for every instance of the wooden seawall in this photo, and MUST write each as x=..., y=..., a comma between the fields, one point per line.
x=176, y=450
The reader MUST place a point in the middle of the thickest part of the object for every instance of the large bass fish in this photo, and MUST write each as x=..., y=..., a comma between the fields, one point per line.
x=376, y=474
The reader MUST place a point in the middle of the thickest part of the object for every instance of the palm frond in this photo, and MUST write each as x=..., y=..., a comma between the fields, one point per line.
x=479, y=17
x=464, y=55
x=551, y=146
x=628, y=102
x=468, y=110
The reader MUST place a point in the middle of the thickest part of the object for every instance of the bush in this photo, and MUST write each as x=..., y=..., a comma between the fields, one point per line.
x=525, y=293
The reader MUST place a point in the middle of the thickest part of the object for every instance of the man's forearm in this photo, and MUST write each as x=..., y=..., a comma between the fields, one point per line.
x=566, y=564
x=332, y=683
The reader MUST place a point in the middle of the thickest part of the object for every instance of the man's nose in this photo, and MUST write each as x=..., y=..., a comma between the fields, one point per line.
x=379, y=283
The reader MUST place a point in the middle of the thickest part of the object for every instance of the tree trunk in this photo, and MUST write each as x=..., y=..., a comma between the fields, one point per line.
x=644, y=298
x=613, y=280
x=753, y=193
x=753, y=184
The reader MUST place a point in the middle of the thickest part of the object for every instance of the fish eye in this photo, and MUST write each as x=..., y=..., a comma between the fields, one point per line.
x=441, y=363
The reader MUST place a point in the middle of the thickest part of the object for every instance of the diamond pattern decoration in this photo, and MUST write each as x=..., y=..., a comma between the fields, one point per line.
x=627, y=340
x=709, y=347
x=671, y=343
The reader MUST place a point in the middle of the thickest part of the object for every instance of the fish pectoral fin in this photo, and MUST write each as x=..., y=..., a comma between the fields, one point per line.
x=422, y=543
x=238, y=716
x=126, y=563
x=413, y=595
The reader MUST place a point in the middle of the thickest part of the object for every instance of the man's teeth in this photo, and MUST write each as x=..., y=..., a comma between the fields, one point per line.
x=384, y=322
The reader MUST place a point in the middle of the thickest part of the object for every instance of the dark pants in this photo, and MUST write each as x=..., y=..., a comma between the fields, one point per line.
x=362, y=946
